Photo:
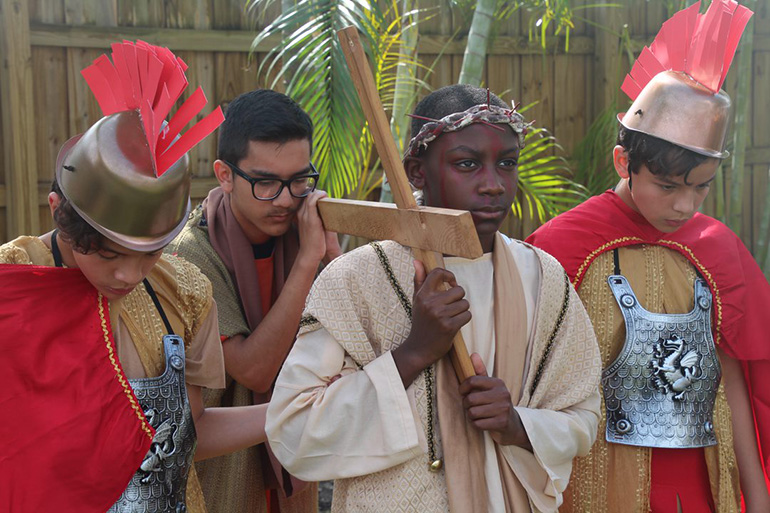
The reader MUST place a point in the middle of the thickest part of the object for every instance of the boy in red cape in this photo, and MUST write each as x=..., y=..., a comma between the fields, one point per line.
x=107, y=343
x=676, y=299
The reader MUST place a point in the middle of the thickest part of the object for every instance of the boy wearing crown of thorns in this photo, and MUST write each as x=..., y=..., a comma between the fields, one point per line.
x=396, y=430
x=678, y=303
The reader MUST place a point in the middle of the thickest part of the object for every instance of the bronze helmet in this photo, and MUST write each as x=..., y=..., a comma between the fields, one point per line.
x=676, y=108
x=127, y=175
x=675, y=83
x=108, y=175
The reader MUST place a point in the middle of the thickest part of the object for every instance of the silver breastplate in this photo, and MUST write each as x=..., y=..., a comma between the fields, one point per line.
x=660, y=391
x=161, y=481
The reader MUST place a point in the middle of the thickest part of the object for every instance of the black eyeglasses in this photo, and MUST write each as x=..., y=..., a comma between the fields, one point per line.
x=266, y=189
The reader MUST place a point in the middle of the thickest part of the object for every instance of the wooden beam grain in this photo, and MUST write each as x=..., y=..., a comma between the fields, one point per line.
x=17, y=96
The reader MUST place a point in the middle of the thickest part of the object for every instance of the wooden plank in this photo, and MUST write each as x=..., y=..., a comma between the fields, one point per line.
x=570, y=116
x=606, y=61
x=140, y=13
x=46, y=11
x=391, y=162
x=233, y=75
x=504, y=77
x=99, y=12
x=52, y=129
x=232, y=15
x=428, y=228
x=537, y=86
x=83, y=108
x=45, y=34
x=17, y=98
x=49, y=65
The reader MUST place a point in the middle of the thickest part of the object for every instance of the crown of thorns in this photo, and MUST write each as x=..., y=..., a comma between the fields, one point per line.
x=490, y=115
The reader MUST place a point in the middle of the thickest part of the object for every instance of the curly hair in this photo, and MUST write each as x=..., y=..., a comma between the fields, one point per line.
x=661, y=157
x=83, y=237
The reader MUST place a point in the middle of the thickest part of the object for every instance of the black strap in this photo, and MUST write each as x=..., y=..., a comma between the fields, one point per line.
x=55, y=250
x=616, y=257
x=154, y=297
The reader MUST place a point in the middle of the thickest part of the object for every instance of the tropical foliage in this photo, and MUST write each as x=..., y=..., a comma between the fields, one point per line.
x=545, y=188
x=311, y=65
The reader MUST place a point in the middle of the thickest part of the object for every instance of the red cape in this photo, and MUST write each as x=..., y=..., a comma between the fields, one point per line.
x=72, y=433
x=741, y=291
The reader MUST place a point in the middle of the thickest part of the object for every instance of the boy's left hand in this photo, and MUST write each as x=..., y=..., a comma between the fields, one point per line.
x=488, y=405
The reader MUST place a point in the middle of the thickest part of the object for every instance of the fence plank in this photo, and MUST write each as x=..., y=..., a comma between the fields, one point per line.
x=16, y=93
x=570, y=116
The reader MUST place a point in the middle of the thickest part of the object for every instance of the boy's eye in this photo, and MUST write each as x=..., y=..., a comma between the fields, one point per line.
x=667, y=187
x=704, y=186
x=466, y=164
x=107, y=256
x=508, y=163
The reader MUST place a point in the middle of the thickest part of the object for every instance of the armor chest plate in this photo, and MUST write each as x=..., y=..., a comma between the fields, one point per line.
x=660, y=391
x=161, y=481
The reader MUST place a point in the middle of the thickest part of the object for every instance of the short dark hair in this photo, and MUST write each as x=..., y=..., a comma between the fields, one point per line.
x=661, y=157
x=83, y=237
x=450, y=99
x=261, y=115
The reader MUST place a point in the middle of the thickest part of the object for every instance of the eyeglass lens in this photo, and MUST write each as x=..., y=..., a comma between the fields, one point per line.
x=299, y=187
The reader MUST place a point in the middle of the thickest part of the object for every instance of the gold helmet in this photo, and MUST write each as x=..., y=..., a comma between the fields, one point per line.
x=127, y=175
x=675, y=83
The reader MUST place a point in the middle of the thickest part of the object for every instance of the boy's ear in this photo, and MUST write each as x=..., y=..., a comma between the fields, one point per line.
x=53, y=201
x=620, y=159
x=415, y=172
x=224, y=175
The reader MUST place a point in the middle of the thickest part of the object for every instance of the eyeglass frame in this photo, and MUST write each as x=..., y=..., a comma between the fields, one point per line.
x=284, y=183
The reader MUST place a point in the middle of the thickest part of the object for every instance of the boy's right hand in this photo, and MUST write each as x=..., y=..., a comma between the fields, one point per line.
x=314, y=242
x=439, y=310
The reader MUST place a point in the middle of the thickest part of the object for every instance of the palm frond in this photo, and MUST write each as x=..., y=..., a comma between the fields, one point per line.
x=545, y=188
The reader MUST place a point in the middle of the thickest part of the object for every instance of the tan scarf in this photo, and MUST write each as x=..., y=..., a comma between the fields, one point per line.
x=463, y=444
x=235, y=250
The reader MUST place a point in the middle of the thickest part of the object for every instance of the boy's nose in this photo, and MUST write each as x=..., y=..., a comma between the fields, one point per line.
x=685, y=203
x=490, y=182
x=130, y=273
x=283, y=199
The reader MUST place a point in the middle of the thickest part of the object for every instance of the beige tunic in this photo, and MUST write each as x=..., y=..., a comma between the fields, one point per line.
x=369, y=433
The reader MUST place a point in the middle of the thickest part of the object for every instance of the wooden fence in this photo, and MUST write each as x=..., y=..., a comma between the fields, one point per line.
x=45, y=43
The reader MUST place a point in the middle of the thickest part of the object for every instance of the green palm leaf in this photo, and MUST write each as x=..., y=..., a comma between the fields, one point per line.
x=545, y=188
x=312, y=66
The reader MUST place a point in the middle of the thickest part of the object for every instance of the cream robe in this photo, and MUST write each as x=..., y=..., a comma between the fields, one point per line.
x=366, y=426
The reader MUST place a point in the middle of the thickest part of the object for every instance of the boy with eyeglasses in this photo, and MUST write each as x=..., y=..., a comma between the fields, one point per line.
x=259, y=239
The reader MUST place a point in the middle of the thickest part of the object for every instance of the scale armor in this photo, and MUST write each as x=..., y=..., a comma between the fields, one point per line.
x=660, y=390
x=160, y=484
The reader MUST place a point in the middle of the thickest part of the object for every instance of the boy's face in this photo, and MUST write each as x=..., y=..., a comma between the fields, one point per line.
x=114, y=270
x=261, y=220
x=666, y=202
x=474, y=169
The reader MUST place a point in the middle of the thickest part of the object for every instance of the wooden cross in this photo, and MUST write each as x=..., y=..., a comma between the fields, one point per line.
x=431, y=232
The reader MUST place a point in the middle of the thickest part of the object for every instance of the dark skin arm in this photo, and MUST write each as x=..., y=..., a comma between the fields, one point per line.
x=439, y=310
x=488, y=406
x=437, y=314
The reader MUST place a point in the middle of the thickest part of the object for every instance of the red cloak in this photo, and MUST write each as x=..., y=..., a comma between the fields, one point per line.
x=741, y=292
x=72, y=433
